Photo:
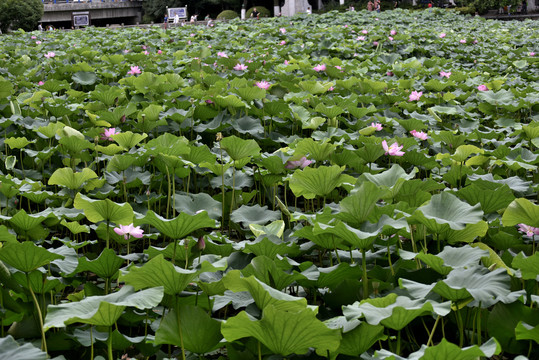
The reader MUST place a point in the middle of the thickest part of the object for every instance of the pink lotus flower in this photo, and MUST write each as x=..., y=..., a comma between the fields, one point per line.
x=462, y=41
x=442, y=35
x=49, y=55
x=159, y=52
x=134, y=70
x=393, y=150
x=389, y=73
x=531, y=54
x=415, y=95
x=40, y=83
x=360, y=38
x=475, y=41
x=209, y=46
x=364, y=32
x=33, y=37
x=143, y=47
x=282, y=43
x=126, y=51
x=222, y=54
x=263, y=85
x=209, y=101
x=38, y=42
x=240, y=67
x=338, y=67
x=445, y=74
x=393, y=32
x=482, y=88
x=375, y=43
x=320, y=67
x=390, y=38
x=301, y=163
x=529, y=230
x=331, y=88
x=129, y=230
x=377, y=126
x=146, y=52
x=107, y=134
x=286, y=62
x=282, y=30
x=192, y=35
x=419, y=134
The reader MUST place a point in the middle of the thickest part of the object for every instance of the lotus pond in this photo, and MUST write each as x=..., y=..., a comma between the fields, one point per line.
x=339, y=186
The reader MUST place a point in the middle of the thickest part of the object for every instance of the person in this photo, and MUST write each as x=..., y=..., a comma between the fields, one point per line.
x=396, y=4
x=309, y=10
x=207, y=17
x=165, y=22
x=40, y=27
x=524, y=6
x=370, y=6
x=192, y=21
x=176, y=18
x=377, y=5
x=255, y=14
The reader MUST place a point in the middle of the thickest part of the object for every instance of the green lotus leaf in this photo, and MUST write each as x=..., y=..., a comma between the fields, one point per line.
x=502, y=97
x=503, y=320
x=394, y=312
x=360, y=112
x=283, y=332
x=10, y=162
x=75, y=227
x=179, y=227
x=193, y=203
x=251, y=93
x=275, y=228
x=356, y=207
x=466, y=235
x=360, y=339
x=271, y=246
x=264, y=295
x=317, y=150
x=270, y=272
x=105, y=266
x=70, y=179
x=321, y=181
x=107, y=95
x=26, y=222
x=312, y=123
x=390, y=178
x=101, y=310
x=333, y=276
x=491, y=200
x=201, y=333
x=6, y=88
x=26, y=256
x=450, y=258
x=10, y=349
x=18, y=143
x=486, y=288
x=529, y=266
x=50, y=130
x=464, y=151
x=85, y=77
x=128, y=140
x=248, y=125
x=256, y=214
x=448, y=351
x=168, y=144
x=104, y=210
x=524, y=331
x=159, y=272
x=315, y=87
x=121, y=162
x=447, y=209
x=6, y=235
x=514, y=182
x=75, y=145
x=330, y=111
x=521, y=211
x=238, y=148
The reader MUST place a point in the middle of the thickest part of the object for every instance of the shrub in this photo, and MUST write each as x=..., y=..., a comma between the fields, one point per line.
x=264, y=12
x=16, y=14
x=228, y=15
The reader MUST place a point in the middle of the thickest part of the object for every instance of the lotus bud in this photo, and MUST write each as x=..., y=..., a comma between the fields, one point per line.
x=201, y=244
x=186, y=243
x=219, y=136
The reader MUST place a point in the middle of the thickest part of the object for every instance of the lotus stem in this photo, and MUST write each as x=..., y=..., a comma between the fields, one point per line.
x=109, y=344
x=431, y=335
x=365, y=279
x=39, y=314
x=169, y=190
x=91, y=342
x=259, y=351
x=479, y=340
x=180, y=329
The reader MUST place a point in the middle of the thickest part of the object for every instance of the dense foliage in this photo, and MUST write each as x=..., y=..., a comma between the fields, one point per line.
x=16, y=14
x=309, y=187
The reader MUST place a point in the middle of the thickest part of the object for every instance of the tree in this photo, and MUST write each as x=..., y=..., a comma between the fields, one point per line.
x=16, y=14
